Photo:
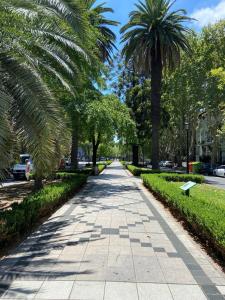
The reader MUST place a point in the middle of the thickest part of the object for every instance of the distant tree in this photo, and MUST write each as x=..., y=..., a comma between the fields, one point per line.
x=106, y=118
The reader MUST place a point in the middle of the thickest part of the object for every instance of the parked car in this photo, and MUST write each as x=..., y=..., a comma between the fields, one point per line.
x=19, y=169
x=168, y=164
x=206, y=169
x=219, y=171
x=161, y=164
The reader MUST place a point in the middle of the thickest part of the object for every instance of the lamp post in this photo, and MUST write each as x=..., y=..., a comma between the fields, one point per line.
x=187, y=144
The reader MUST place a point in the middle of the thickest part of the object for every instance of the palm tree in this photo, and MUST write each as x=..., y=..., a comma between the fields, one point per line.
x=34, y=46
x=154, y=38
x=105, y=36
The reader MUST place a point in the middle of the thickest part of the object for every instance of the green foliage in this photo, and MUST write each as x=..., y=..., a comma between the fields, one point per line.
x=182, y=177
x=106, y=117
x=205, y=207
x=194, y=91
x=137, y=171
x=105, y=36
x=101, y=167
x=24, y=216
x=154, y=25
x=73, y=173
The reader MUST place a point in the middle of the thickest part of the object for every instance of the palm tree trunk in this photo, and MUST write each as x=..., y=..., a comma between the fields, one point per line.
x=38, y=183
x=156, y=83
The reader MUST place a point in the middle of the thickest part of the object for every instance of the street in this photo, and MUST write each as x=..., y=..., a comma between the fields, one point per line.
x=216, y=181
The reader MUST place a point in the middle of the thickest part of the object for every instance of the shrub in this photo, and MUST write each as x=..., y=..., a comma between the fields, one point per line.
x=205, y=208
x=109, y=162
x=137, y=171
x=23, y=216
x=182, y=177
x=72, y=173
x=101, y=167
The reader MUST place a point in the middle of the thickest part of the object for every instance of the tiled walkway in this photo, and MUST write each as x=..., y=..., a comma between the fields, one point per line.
x=113, y=241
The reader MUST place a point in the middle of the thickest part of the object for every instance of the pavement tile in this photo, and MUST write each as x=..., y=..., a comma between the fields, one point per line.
x=186, y=292
x=87, y=290
x=58, y=290
x=22, y=290
x=152, y=291
x=120, y=291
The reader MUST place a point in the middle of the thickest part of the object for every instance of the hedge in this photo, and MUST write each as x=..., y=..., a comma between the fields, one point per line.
x=25, y=215
x=101, y=167
x=182, y=177
x=137, y=171
x=204, y=210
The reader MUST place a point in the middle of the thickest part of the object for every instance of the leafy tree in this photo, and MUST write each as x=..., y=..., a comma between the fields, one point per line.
x=103, y=46
x=154, y=37
x=105, y=118
x=193, y=90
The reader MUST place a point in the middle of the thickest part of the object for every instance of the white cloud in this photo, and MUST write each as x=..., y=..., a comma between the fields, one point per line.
x=210, y=15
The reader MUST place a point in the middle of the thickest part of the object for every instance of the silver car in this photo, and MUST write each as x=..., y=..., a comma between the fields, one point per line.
x=220, y=171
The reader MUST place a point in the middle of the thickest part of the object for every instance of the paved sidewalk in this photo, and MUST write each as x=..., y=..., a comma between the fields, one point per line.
x=113, y=241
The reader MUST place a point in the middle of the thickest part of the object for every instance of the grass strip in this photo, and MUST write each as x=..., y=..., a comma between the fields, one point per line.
x=204, y=210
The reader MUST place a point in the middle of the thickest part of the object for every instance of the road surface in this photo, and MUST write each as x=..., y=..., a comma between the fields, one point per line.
x=216, y=181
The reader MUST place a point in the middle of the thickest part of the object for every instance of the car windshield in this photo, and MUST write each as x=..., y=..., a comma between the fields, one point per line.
x=221, y=167
x=23, y=159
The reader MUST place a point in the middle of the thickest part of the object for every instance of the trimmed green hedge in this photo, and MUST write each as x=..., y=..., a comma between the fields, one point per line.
x=137, y=171
x=204, y=209
x=25, y=215
x=182, y=177
x=86, y=171
x=101, y=167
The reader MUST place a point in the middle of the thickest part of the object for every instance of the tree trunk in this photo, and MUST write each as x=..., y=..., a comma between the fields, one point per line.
x=95, y=145
x=94, y=156
x=74, y=148
x=135, y=155
x=38, y=184
x=156, y=83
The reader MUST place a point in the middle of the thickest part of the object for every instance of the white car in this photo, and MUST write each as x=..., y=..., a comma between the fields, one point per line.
x=19, y=169
x=219, y=171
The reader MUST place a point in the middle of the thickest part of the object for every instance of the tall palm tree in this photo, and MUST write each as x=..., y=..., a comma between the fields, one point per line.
x=105, y=36
x=154, y=38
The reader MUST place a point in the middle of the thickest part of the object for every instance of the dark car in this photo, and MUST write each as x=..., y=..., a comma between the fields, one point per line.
x=206, y=169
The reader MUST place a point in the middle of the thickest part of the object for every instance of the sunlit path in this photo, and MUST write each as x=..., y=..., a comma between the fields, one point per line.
x=112, y=241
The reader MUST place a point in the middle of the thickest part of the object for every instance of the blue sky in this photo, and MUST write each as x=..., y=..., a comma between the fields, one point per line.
x=206, y=11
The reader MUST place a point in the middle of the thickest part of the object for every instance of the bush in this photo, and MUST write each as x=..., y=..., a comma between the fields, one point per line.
x=109, y=162
x=137, y=171
x=101, y=167
x=73, y=173
x=182, y=177
x=204, y=209
x=23, y=216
